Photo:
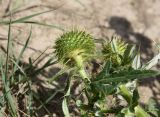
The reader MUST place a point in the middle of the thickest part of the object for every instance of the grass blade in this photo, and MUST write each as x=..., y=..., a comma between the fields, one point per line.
x=30, y=99
x=66, y=96
x=9, y=98
x=22, y=51
x=20, y=20
x=50, y=98
x=65, y=108
x=43, y=24
x=24, y=20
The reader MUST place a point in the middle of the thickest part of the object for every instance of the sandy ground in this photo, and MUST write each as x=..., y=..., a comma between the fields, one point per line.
x=137, y=21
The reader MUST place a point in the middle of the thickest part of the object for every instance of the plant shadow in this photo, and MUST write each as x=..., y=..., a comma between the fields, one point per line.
x=124, y=28
x=43, y=92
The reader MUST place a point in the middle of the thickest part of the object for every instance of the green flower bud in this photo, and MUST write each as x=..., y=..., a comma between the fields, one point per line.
x=74, y=48
x=114, y=50
x=72, y=44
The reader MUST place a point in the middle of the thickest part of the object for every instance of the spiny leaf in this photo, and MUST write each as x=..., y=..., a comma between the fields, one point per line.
x=126, y=76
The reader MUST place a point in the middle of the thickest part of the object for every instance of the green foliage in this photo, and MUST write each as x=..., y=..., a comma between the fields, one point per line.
x=121, y=68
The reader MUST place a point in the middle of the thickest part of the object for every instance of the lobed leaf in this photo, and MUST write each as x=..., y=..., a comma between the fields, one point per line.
x=126, y=76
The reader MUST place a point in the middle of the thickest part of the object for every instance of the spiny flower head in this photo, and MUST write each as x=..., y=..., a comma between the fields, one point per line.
x=114, y=50
x=72, y=44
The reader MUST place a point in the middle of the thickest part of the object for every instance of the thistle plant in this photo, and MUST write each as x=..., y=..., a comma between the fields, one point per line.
x=74, y=48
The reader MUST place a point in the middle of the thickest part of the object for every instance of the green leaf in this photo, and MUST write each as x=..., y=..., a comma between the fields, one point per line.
x=136, y=64
x=65, y=108
x=127, y=112
x=124, y=76
x=66, y=96
x=103, y=89
x=139, y=112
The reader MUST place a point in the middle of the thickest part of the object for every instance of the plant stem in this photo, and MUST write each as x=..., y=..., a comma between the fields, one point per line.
x=81, y=69
x=125, y=93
